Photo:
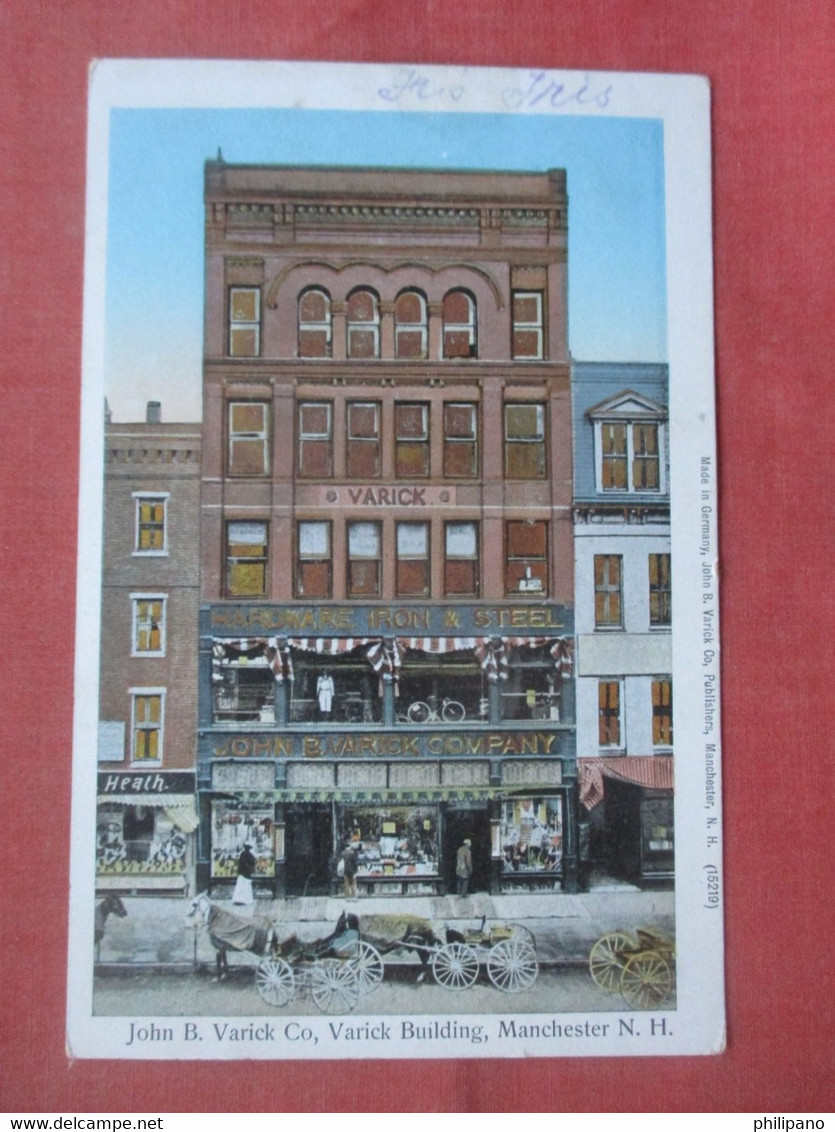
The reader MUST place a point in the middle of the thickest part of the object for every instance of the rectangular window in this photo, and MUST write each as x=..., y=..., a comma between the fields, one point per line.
x=608, y=713
x=148, y=632
x=662, y=713
x=608, y=591
x=314, y=570
x=528, y=341
x=630, y=456
x=315, y=439
x=461, y=560
x=146, y=724
x=660, y=590
x=364, y=559
x=460, y=440
x=249, y=439
x=246, y=559
x=244, y=322
x=524, y=447
x=363, y=448
x=151, y=526
x=411, y=441
x=526, y=561
x=412, y=573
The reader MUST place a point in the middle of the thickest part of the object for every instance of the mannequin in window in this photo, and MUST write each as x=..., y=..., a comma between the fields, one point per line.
x=324, y=694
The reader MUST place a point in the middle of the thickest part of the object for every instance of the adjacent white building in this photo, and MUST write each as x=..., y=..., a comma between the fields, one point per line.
x=623, y=615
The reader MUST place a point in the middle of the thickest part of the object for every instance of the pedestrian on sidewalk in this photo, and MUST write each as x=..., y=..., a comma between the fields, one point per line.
x=243, y=894
x=464, y=866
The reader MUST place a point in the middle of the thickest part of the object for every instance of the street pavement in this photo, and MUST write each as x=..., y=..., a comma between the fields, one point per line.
x=156, y=933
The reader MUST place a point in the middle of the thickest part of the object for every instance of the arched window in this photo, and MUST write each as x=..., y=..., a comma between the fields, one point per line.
x=314, y=324
x=410, y=325
x=459, y=313
x=363, y=325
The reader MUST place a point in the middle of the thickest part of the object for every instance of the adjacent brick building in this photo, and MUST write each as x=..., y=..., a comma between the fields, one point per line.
x=146, y=815
x=386, y=529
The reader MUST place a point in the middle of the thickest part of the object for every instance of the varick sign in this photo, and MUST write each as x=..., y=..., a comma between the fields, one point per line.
x=376, y=497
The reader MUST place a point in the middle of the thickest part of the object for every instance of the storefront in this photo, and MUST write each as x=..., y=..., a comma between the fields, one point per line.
x=145, y=827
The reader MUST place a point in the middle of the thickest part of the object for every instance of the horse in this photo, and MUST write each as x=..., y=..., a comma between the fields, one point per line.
x=227, y=931
x=110, y=904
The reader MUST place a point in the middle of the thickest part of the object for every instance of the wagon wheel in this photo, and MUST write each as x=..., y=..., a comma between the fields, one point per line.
x=605, y=959
x=512, y=965
x=646, y=980
x=333, y=986
x=368, y=966
x=275, y=981
x=455, y=966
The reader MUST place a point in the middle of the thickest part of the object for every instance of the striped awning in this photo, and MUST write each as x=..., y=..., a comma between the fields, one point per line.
x=653, y=772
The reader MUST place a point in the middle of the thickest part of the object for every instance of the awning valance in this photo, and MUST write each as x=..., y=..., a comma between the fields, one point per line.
x=386, y=655
x=653, y=772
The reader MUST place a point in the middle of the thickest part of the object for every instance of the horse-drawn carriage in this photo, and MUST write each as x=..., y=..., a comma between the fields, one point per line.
x=641, y=966
x=337, y=969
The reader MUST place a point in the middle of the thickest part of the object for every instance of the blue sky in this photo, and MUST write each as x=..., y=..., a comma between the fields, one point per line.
x=154, y=305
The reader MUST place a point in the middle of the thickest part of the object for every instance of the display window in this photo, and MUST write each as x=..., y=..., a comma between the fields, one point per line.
x=341, y=689
x=235, y=824
x=245, y=692
x=397, y=841
x=138, y=839
x=531, y=836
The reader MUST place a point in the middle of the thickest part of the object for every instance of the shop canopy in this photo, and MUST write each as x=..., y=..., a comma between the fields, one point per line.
x=653, y=772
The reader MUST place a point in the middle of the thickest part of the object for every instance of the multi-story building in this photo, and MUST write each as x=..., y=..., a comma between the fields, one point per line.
x=387, y=549
x=146, y=818
x=624, y=615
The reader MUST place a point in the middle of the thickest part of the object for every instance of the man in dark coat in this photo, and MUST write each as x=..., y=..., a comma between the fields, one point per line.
x=464, y=866
x=349, y=871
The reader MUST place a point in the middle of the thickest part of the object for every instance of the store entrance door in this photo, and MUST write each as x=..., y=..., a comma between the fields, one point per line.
x=309, y=844
x=458, y=825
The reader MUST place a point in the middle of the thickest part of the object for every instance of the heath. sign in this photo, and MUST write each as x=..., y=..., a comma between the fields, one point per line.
x=146, y=782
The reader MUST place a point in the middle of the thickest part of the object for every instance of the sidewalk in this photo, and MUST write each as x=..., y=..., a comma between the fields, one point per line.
x=156, y=934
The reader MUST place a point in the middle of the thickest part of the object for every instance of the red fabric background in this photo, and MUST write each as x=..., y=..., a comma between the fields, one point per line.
x=773, y=181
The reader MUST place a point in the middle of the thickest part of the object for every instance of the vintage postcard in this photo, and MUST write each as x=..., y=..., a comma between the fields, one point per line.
x=397, y=667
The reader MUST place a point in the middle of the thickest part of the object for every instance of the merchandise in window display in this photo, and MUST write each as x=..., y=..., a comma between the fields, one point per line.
x=235, y=826
x=399, y=842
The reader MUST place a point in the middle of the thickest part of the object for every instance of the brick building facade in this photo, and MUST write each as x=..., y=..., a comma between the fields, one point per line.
x=146, y=816
x=386, y=529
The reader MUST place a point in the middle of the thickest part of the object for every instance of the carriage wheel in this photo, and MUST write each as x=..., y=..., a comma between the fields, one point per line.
x=455, y=966
x=368, y=966
x=512, y=965
x=333, y=986
x=275, y=981
x=646, y=980
x=606, y=959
